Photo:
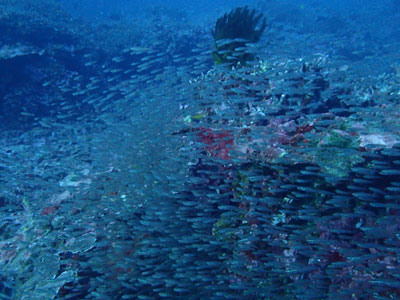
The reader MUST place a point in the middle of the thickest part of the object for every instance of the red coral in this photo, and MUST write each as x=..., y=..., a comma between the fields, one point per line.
x=217, y=141
x=49, y=210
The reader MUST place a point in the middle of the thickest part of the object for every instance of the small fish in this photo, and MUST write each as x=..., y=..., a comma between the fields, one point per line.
x=137, y=50
x=90, y=63
x=118, y=59
x=390, y=172
x=224, y=42
x=27, y=114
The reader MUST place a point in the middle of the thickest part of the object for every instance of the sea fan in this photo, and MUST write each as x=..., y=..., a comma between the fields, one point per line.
x=233, y=31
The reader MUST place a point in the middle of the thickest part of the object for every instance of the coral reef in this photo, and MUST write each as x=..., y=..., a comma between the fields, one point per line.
x=153, y=174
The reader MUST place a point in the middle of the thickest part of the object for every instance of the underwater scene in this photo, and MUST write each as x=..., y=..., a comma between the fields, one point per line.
x=199, y=149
